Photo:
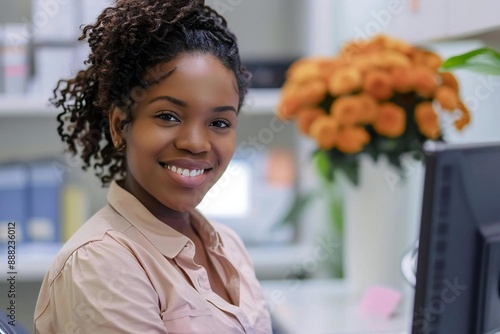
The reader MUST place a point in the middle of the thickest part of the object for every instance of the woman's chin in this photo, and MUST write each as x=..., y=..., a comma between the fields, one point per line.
x=182, y=201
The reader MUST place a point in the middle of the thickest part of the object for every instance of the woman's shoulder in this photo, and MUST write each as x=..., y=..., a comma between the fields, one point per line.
x=103, y=229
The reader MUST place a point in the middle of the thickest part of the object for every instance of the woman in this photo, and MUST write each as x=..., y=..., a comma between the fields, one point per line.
x=155, y=114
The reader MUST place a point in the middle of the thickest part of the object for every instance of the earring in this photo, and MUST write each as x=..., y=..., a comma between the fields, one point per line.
x=119, y=146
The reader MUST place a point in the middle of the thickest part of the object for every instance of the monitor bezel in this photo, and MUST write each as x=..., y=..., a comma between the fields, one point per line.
x=435, y=153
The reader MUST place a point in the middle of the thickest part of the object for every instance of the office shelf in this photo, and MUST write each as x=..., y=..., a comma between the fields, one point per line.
x=25, y=106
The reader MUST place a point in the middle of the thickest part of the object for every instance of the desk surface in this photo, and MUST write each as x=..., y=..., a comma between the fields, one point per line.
x=325, y=306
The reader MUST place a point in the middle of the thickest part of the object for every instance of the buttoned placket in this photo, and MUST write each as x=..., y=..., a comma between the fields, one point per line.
x=233, y=283
x=199, y=278
x=197, y=274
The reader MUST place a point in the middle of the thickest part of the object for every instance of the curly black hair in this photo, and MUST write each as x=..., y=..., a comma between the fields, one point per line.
x=127, y=41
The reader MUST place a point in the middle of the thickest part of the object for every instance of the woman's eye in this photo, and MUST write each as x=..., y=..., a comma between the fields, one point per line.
x=168, y=117
x=221, y=124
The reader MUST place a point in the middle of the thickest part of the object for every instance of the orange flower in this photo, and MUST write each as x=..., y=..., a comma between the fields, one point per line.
x=352, y=139
x=449, y=80
x=369, y=108
x=377, y=43
x=447, y=97
x=374, y=44
x=328, y=66
x=312, y=92
x=464, y=119
x=303, y=70
x=378, y=84
x=390, y=121
x=346, y=110
x=306, y=117
x=287, y=108
x=402, y=78
x=344, y=80
x=427, y=120
x=427, y=59
x=352, y=49
x=390, y=43
x=425, y=81
x=295, y=96
x=392, y=58
x=324, y=130
x=369, y=61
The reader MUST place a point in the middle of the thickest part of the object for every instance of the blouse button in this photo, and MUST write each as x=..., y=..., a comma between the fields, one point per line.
x=234, y=282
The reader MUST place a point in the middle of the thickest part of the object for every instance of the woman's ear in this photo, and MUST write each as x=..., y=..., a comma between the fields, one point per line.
x=116, y=117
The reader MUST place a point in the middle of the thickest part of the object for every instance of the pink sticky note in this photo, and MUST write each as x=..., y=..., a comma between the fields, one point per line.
x=380, y=301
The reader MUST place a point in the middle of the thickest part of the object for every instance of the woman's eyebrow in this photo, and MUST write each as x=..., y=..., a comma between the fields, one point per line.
x=171, y=99
x=224, y=108
x=184, y=104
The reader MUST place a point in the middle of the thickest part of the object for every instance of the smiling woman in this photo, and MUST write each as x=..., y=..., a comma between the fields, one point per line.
x=155, y=114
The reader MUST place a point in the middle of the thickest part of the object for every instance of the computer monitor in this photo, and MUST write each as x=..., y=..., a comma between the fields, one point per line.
x=458, y=268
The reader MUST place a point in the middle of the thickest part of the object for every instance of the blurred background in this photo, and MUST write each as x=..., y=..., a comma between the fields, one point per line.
x=49, y=195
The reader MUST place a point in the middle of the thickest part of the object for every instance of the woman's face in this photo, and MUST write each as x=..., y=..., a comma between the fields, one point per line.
x=183, y=133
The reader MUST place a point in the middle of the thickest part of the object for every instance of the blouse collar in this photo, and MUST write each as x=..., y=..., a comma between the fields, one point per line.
x=164, y=238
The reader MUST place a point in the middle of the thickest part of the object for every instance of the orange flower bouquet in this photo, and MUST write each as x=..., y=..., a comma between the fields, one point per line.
x=381, y=96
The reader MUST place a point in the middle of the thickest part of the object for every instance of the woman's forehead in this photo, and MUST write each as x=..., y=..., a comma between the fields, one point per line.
x=190, y=65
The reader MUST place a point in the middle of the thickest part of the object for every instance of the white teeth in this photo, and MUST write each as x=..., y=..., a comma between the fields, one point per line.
x=185, y=172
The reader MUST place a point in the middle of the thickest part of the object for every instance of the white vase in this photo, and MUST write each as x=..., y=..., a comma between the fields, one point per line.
x=381, y=222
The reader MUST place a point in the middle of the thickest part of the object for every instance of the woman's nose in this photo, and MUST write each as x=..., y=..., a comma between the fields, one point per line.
x=193, y=138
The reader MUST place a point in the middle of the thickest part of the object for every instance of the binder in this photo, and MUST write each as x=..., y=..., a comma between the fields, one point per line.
x=44, y=198
x=13, y=201
x=74, y=210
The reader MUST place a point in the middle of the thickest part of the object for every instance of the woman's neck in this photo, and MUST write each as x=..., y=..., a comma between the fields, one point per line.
x=177, y=220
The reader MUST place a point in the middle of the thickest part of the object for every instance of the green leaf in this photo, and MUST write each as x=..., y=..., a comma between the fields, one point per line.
x=483, y=60
x=352, y=172
x=324, y=166
x=337, y=214
x=394, y=159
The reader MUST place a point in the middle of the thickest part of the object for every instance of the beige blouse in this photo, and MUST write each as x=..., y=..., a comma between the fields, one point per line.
x=125, y=271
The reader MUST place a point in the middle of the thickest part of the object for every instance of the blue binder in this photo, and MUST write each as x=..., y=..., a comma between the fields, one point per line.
x=13, y=201
x=44, y=203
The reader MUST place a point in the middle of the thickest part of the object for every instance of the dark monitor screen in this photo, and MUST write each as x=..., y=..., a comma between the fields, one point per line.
x=458, y=268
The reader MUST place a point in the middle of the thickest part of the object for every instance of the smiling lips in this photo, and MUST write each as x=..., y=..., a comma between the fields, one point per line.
x=186, y=177
x=185, y=171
